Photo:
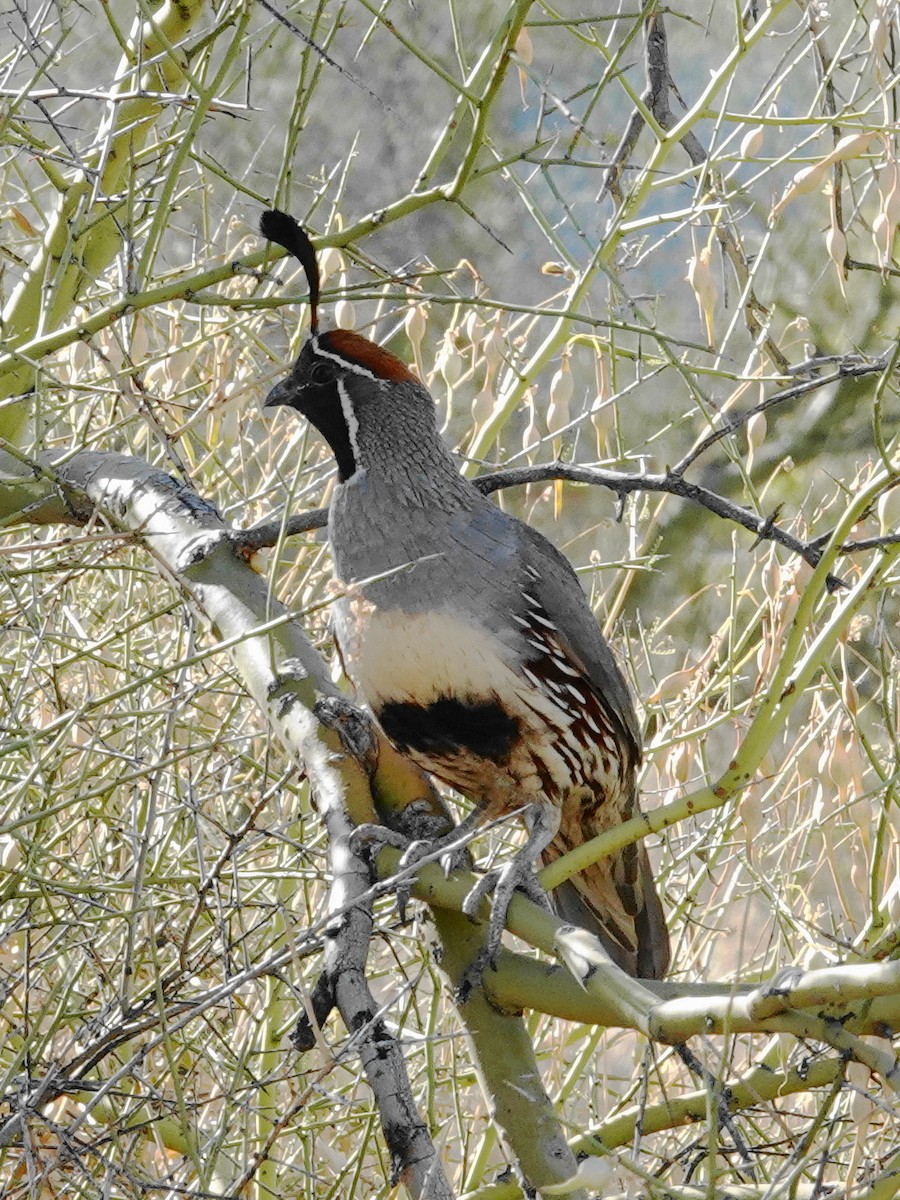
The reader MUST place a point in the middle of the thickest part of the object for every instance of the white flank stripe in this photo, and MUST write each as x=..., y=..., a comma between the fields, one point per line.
x=536, y=616
x=591, y=723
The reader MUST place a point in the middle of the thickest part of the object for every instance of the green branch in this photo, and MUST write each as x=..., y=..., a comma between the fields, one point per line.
x=83, y=234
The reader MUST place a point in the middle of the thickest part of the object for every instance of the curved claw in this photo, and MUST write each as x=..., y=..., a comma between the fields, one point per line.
x=414, y=853
x=483, y=888
x=369, y=837
x=372, y=838
x=411, y=855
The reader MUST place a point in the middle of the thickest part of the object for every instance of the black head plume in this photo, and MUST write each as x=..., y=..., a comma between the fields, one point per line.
x=281, y=228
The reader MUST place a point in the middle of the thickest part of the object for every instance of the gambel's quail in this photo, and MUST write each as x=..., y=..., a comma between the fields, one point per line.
x=468, y=634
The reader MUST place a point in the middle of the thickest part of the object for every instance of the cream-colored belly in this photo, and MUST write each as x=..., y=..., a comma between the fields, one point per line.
x=398, y=656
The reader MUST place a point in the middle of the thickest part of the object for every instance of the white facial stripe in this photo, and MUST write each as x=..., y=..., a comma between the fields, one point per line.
x=343, y=362
x=350, y=420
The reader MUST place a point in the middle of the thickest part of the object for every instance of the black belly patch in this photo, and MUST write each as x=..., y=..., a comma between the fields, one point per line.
x=450, y=726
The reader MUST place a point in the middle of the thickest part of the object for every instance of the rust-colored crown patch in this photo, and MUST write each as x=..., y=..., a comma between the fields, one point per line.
x=355, y=348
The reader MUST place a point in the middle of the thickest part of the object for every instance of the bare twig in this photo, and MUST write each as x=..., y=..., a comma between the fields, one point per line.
x=655, y=98
x=849, y=367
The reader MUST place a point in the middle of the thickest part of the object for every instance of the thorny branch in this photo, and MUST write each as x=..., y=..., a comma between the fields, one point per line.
x=347, y=931
x=176, y=1001
x=851, y=366
x=356, y=778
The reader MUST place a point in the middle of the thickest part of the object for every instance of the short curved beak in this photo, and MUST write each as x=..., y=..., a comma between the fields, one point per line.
x=281, y=393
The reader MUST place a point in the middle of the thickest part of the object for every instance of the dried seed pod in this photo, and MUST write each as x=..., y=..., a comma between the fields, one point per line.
x=772, y=577
x=889, y=215
x=680, y=762
x=525, y=54
x=603, y=419
x=883, y=237
x=561, y=388
x=673, y=685
x=415, y=323
x=483, y=405
x=751, y=142
x=851, y=145
x=757, y=427
x=472, y=326
x=11, y=855
x=750, y=810
x=449, y=361
x=22, y=222
x=140, y=340
x=493, y=346
x=524, y=47
x=532, y=435
x=700, y=277
x=344, y=310
x=878, y=35
x=889, y=190
x=331, y=262
x=603, y=413
x=806, y=180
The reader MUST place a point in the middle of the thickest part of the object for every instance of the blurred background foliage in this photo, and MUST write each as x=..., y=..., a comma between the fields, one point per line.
x=562, y=300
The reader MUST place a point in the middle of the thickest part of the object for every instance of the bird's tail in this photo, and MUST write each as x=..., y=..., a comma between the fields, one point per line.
x=616, y=900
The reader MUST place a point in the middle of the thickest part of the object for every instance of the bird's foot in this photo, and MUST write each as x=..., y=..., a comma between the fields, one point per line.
x=517, y=875
x=369, y=838
x=448, y=848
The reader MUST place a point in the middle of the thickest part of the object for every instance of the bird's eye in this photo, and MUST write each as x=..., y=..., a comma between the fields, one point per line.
x=322, y=371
